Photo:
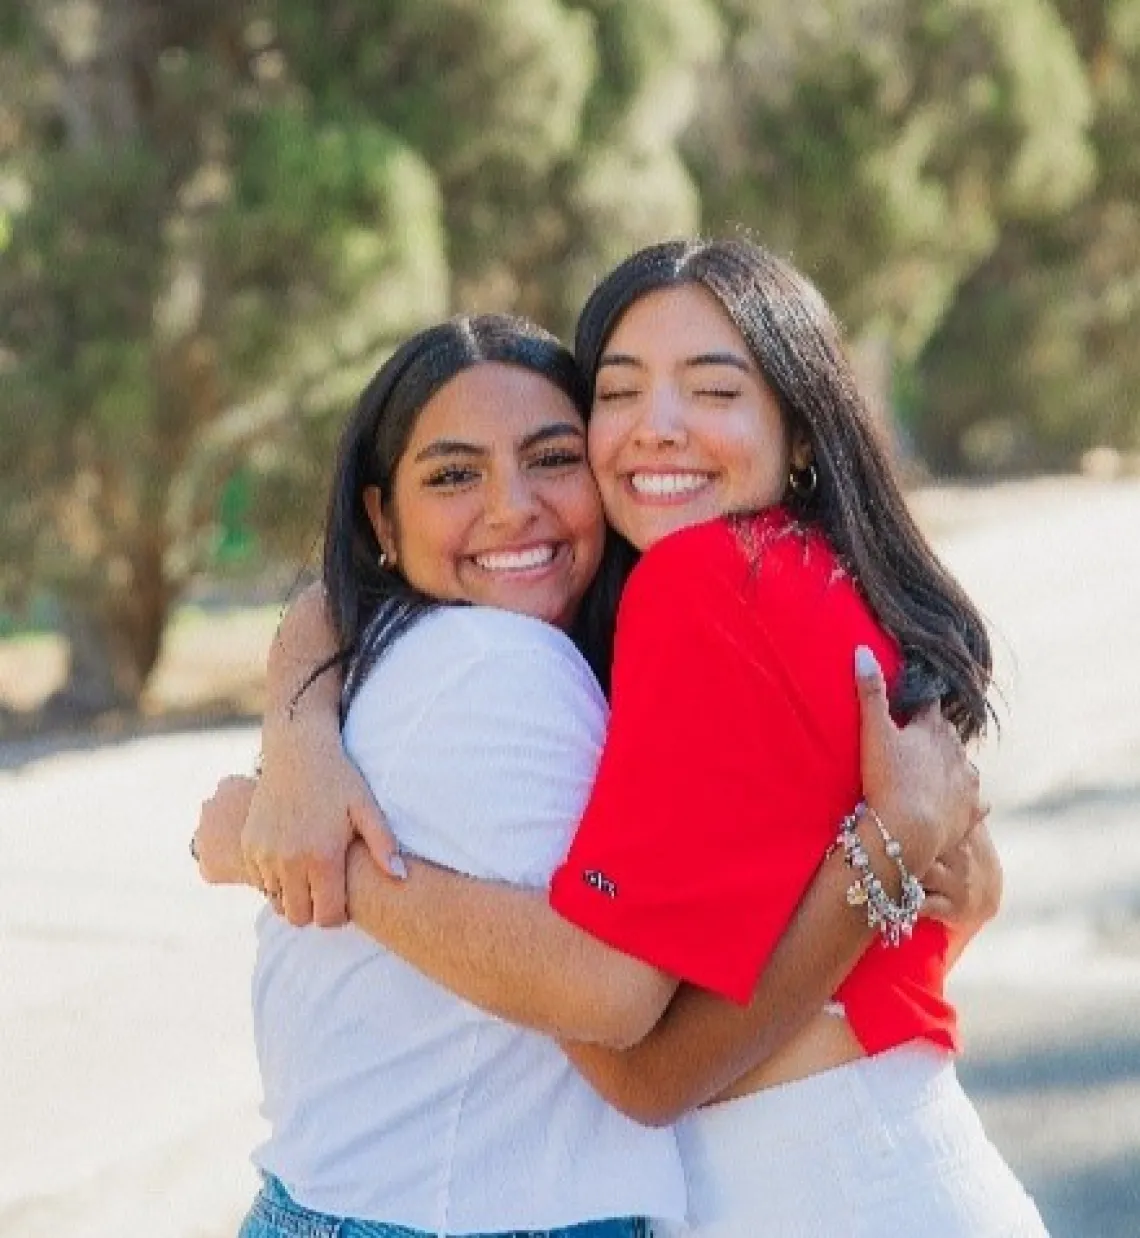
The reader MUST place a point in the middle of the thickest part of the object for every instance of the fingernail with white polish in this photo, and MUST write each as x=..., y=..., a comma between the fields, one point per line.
x=866, y=664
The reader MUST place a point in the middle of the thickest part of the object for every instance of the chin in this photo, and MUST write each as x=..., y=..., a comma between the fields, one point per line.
x=662, y=528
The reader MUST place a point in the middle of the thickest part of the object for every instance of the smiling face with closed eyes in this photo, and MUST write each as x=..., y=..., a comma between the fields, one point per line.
x=684, y=427
x=492, y=499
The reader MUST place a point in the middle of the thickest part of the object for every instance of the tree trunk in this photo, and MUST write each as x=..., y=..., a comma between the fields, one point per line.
x=115, y=638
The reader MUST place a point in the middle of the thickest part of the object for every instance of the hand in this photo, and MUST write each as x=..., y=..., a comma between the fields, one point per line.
x=217, y=840
x=309, y=804
x=964, y=886
x=918, y=778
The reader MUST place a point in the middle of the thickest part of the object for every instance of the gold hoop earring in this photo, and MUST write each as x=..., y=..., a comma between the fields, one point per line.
x=803, y=483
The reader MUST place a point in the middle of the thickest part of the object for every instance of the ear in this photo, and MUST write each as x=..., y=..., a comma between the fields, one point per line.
x=802, y=454
x=381, y=522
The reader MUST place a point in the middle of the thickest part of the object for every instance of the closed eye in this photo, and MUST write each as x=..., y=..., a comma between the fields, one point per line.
x=617, y=393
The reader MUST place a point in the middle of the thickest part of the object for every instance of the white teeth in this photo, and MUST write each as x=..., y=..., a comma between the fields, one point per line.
x=668, y=483
x=515, y=560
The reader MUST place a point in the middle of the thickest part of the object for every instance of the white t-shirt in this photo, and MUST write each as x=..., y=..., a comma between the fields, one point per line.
x=389, y=1098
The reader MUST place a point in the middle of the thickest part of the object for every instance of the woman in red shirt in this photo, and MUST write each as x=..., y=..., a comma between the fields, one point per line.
x=730, y=443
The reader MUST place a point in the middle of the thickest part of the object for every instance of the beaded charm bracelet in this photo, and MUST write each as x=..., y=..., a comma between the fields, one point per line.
x=894, y=921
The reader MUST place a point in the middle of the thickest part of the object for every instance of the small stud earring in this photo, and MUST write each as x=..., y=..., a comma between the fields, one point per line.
x=382, y=559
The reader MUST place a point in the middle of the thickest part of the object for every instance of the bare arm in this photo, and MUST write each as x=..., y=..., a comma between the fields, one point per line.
x=505, y=950
x=500, y=947
x=311, y=800
x=703, y=1043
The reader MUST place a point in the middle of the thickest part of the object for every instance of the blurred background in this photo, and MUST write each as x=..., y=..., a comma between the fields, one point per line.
x=217, y=218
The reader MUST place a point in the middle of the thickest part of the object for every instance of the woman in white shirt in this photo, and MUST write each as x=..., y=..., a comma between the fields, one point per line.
x=395, y=1108
x=462, y=478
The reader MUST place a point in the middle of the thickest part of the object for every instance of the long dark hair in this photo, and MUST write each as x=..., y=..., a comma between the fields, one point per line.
x=857, y=503
x=371, y=605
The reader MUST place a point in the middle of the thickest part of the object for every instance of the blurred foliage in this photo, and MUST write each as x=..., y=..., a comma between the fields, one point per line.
x=216, y=218
x=1038, y=357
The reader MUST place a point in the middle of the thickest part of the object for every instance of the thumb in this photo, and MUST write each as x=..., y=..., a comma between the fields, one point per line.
x=872, y=687
x=876, y=726
x=372, y=827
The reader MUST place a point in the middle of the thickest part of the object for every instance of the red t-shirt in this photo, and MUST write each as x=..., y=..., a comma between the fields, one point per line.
x=732, y=756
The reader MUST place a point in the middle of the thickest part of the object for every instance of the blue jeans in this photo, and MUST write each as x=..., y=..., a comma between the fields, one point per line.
x=275, y=1215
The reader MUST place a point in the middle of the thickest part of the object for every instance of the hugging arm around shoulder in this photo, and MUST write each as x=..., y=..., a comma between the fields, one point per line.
x=488, y=782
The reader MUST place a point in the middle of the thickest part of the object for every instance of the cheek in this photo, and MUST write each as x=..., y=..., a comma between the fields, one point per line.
x=586, y=519
x=760, y=458
x=601, y=448
x=430, y=544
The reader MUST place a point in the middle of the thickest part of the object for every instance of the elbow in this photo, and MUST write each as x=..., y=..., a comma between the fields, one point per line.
x=652, y=1113
x=624, y=1028
x=628, y=1010
x=641, y=1098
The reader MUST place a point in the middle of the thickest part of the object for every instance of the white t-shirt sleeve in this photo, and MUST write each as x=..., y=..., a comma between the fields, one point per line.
x=492, y=776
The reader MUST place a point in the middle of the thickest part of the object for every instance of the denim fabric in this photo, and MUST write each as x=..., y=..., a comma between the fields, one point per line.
x=275, y=1215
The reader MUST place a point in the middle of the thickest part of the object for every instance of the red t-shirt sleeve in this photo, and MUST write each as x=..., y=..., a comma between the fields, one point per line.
x=719, y=787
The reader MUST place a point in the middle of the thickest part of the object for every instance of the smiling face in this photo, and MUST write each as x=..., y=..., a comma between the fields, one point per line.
x=684, y=427
x=492, y=500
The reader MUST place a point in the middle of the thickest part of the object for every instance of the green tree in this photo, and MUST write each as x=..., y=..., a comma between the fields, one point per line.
x=1038, y=359
x=190, y=248
x=884, y=143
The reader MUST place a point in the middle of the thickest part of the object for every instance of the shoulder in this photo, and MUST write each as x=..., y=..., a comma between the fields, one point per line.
x=683, y=574
x=700, y=550
x=729, y=562
x=483, y=660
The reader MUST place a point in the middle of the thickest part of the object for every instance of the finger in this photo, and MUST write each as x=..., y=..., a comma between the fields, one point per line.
x=261, y=873
x=296, y=903
x=372, y=826
x=937, y=907
x=328, y=893
x=869, y=680
x=938, y=879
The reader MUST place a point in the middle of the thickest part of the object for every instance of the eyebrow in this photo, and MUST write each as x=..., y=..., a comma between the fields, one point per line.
x=705, y=358
x=457, y=447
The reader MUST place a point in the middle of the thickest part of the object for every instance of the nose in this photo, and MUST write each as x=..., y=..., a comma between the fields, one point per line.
x=512, y=502
x=662, y=418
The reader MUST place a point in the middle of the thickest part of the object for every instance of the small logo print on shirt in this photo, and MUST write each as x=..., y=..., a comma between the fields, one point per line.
x=600, y=882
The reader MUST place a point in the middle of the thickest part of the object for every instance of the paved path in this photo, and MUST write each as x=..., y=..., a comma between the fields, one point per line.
x=127, y=1083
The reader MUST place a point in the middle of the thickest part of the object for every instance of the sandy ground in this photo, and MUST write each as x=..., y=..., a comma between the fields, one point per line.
x=128, y=1090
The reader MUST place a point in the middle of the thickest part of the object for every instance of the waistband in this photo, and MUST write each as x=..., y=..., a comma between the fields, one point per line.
x=895, y=1083
x=276, y=1210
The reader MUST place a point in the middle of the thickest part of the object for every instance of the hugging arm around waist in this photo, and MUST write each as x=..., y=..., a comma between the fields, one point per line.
x=704, y=1043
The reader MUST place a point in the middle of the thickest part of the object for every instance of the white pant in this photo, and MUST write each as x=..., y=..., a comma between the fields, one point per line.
x=885, y=1147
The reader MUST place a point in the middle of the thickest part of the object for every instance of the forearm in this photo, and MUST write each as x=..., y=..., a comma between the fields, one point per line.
x=505, y=950
x=704, y=1043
